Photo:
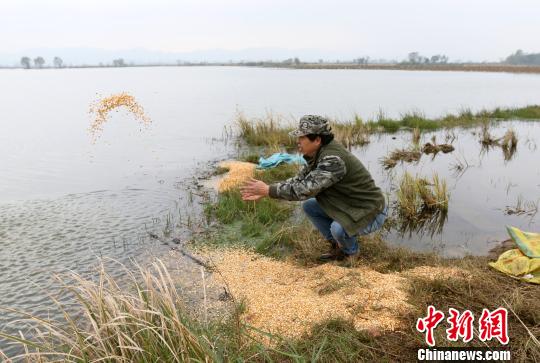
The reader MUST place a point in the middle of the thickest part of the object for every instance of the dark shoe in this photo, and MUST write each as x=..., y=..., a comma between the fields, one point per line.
x=334, y=255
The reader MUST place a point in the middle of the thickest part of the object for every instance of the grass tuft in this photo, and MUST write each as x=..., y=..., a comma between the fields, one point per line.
x=352, y=133
x=146, y=324
x=272, y=131
x=269, y=131
x=418, y=194
x=403, y=155
x=422, y=204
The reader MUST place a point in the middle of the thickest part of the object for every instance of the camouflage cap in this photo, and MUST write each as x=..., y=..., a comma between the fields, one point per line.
x=312, y=124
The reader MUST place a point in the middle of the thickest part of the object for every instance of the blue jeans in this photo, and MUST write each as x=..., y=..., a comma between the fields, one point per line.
x=334, y=232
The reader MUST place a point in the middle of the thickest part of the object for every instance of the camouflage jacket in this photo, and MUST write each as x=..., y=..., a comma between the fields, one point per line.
x=341, y=184
x=311, y=180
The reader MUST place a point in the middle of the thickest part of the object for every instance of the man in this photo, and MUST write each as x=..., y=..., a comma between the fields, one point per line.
x=341, y=198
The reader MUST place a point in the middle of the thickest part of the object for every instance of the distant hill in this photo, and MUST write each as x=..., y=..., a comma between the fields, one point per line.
x=522, y=58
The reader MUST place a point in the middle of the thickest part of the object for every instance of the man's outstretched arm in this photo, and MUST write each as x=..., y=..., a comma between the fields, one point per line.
x=330, y=170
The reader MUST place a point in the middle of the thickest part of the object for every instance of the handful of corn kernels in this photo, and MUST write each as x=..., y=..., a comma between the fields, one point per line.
x=103, y=107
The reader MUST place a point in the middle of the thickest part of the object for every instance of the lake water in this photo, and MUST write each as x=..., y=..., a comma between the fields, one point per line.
x=64, y=201
x=480, y=194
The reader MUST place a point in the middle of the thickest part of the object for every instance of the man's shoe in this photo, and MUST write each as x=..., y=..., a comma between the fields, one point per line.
x=335, y=254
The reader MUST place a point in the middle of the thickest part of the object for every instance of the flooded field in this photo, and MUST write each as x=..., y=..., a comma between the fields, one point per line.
x=487, y=187
x=66, y=201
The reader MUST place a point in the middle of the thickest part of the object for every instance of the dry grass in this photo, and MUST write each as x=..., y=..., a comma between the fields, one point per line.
x=416, y=195
x=509, y=140
x=509, y=144
x=352, y=133
x=486, y=138
x=458, y=67
x=364, y=311
x=400, y=155
x=523, y=207
x=434, y=148
x=147, y=323
x=271, y=131
x=416, y=135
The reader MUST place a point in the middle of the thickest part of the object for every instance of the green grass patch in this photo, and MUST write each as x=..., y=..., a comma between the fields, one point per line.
x=417, y=120
x=231, y=207
x=334, y=341
x=272, y=132
x=250, y=158
x=250, y=223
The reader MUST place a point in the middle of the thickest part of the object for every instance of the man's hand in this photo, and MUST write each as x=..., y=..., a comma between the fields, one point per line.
x=254, y=189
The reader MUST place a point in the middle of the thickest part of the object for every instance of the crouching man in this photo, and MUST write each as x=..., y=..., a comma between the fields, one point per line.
x=339, y=194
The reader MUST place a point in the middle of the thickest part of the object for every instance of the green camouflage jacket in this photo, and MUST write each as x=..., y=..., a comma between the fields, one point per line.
x=311, y=180
x=341, y=184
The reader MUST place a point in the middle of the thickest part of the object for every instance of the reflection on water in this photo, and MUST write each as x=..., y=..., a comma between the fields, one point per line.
x=427, y=222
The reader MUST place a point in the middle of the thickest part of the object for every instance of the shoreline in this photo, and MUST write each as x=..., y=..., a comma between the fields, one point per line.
x=472, y=67
x=282, y=277
x=452, y=67
x=389, y=283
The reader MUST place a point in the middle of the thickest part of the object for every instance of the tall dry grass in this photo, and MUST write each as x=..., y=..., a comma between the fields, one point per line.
x=509, y=142
x=145, y=324
x=352, y=133
x=270, y=131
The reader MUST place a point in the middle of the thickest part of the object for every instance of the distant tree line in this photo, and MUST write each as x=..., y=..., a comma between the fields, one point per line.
x=517, y=58
x=39, y=62
x=520, y=57
x=119, y=62
x=361, y=60
x=295, y=61
x=417, y=58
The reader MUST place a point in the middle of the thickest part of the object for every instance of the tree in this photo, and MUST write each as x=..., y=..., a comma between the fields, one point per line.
x=520, y=57
x=414, y=57
x=119, y=62
x=39, y=62
x=25, y=62
x=296, y=61
x=58, y=62
x=362, y=60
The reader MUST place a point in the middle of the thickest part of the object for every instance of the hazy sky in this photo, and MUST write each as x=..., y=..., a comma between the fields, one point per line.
x=466, y=30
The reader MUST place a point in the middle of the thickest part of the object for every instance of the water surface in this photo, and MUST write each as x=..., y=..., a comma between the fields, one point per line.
x=65, y=201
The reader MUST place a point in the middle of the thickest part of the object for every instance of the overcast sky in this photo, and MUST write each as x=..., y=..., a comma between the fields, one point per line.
x=466, y=30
